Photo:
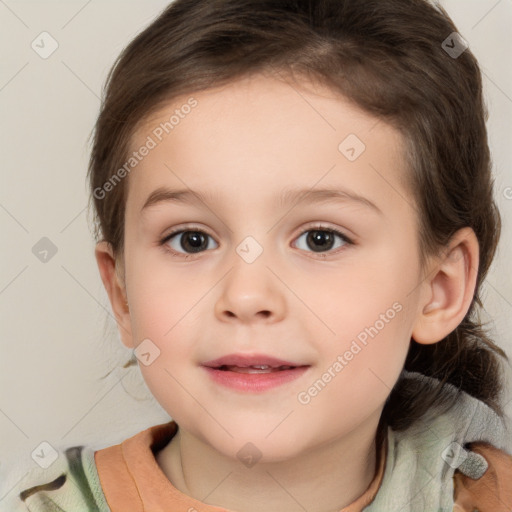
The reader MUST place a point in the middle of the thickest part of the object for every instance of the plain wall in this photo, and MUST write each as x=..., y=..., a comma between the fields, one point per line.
x=57, y=336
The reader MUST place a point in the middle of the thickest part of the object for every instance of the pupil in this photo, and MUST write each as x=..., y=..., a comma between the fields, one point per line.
x=194, y=239
x=322, y=238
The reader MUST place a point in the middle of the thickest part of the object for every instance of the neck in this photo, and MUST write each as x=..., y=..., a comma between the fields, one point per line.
x=324, y=479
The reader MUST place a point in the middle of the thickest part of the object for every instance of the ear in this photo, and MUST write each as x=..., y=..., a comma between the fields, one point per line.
x=448, y=290
x=111, y=273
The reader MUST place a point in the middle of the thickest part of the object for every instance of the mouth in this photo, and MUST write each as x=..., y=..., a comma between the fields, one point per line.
x=251, y=363
x=254, y=368
x=253, y=373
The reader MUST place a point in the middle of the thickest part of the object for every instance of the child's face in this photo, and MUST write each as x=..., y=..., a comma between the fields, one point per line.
x=346, y=310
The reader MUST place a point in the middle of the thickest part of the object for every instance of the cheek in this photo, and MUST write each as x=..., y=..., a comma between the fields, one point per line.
x=166, y=330
x=371, y=344
x=166, y=310
x=373, y=325
x=372, y=306
x=356, y=375
x=165, y=297
x=374, y=332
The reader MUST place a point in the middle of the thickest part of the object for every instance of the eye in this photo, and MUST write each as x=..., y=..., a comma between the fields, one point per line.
x=321, y=239
x=191, y=241
x=187, y=242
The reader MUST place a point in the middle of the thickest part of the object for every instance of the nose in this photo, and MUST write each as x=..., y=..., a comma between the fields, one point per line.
x=251, y=292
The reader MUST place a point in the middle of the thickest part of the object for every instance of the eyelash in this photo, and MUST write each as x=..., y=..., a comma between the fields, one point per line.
x=168, y=250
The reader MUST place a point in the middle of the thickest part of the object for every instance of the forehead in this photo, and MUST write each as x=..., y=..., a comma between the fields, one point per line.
x=260, y=133
x=251, y=99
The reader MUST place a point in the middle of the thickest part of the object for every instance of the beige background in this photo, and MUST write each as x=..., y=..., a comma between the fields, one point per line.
x=57, y=336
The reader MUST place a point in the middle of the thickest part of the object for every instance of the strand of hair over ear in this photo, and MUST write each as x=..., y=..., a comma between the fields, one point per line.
x=131, y=362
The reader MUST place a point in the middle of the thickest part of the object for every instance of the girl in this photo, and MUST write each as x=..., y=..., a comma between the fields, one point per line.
x=295, y=216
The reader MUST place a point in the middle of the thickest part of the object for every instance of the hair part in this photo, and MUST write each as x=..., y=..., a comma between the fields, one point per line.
x=383, y=56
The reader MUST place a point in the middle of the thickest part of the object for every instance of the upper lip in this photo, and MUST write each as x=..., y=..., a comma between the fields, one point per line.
x=245, y=360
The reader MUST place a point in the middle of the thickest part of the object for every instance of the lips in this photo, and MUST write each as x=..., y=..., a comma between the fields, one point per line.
x=251, y=363
x=253, y=373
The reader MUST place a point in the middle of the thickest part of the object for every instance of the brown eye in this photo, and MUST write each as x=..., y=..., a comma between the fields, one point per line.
x=188, y=241
x=321, y=240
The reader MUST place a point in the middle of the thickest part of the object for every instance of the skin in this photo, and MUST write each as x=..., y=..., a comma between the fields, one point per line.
x=247, y=142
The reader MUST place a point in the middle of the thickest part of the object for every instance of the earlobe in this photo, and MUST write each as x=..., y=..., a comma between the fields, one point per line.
x=448, y=291
x=116, y=290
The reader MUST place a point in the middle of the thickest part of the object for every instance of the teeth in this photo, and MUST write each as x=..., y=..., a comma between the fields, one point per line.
x=254, y=368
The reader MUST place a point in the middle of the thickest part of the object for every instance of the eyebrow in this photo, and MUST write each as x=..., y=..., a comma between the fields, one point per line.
x=188, y=196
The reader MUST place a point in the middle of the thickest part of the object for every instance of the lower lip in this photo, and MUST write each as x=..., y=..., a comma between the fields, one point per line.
x=254, y=382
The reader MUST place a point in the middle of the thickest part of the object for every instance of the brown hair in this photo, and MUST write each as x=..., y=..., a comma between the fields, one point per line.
x=387, y=57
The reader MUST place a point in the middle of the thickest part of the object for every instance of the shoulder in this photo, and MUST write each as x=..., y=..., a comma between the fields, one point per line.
x=452, y=448
x=487, y=487
x=460, y=419
x=475, y=445
x=70, y=483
